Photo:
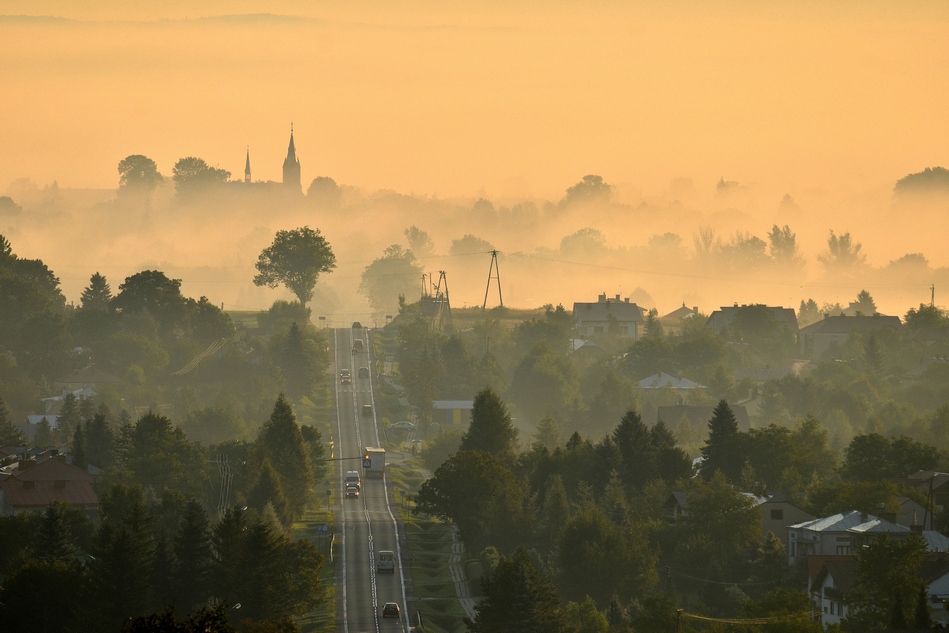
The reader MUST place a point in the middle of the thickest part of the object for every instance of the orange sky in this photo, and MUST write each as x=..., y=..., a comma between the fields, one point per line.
x=437, y=98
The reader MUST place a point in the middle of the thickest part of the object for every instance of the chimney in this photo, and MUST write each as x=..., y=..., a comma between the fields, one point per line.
x=627, y=299
x=602, y=298
x=864, y=517
x=695, y=309
x=617, y=297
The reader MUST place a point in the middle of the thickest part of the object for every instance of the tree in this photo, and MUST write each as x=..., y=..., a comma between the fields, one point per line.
x=153, y=292
x=653, y=326
x=193, y=175
x=295, y=259
x=470, y=244
x=925, y=317
x=193, y=556
x=268, y=490
x=865, y=304
x=281, y=442
x=302, y=361
x=887, y=582
x=517, y=599
x=842, y=254
x=325, y=193
x=930, y=180
x=97, y=294
x=69, y=417
x=545, y=383
x=10, y=435
x=137, y=172
x=590, y=190
x=491, y=429
x=722, y=450
x=99, y=442
x=808, y=313
x=420, y=242
x=386, y=278
x=40, y=596
x=154, y=453
x=783, y=246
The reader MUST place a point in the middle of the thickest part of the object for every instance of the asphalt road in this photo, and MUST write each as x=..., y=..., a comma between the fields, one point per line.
x=367, y=523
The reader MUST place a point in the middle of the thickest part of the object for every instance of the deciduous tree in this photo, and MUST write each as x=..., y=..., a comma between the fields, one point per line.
x=295, y=259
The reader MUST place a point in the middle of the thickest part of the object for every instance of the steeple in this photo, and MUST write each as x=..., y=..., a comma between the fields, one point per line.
x=247, y=166
x=291, y=166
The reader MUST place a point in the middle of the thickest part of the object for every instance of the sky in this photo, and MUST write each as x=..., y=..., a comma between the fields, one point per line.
x=828, y=102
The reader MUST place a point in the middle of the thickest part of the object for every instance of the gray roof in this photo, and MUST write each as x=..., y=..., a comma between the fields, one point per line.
x=848, y=324
x=622, y=311
x=662, y=380
x=726, y=315
x=839, y=522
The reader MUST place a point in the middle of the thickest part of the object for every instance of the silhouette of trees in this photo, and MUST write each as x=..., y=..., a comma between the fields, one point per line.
x=387, y=278
x=842, y=254
x=193, y=175
x=295, y=259
x=139, y=173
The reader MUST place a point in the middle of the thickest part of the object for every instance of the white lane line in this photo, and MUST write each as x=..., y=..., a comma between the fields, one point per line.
x=342, y=479
x=395, y=525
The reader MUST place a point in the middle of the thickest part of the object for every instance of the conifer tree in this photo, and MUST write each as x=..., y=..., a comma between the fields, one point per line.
x=491, y=430
x=722, y=450
x=44, y=436
x=10, y=435
x=281, y=442
x=192, y=569
x=99, y=442
x=79, y=448
x=227, y=540
x=97, y=294
x=69, y=417
x=268, y=490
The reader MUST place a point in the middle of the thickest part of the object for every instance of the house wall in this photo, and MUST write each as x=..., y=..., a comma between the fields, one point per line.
x=790, y=515
x=803, y=542
x=831, y=611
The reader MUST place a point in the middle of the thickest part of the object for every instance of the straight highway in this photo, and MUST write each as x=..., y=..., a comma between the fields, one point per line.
x=367, y=523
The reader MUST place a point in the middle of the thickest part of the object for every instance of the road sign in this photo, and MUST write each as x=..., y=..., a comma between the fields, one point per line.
x=367, y=462
x=322, y=528
x=402, y=492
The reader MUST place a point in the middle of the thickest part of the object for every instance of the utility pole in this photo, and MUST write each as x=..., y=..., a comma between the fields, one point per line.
x=932, y=296
x=493, y=273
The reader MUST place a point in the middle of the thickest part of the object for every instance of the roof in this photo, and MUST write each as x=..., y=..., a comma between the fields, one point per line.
x=726, y=315
x=879, y=526
x=844, y=573
x=848, y=324
x=679, y=313
x=839, y=522
x=36, y=419
x=698, y=415
x=815, y=563
x=576, y=344
x=453, y=404
x=935, y=542
x=43, y=493
x=677, y=498
x=53, y=470
x=933, y=568
x=622, y=311
x=663, y=380
x=90, y=374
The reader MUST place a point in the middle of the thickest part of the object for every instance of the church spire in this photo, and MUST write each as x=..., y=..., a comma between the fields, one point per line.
x=291, y=166
x=247, y=166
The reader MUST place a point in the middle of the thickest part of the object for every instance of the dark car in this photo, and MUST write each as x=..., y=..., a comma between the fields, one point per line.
x=390, y=610
x=352, y=492
x=357, y=325
x=367, y=409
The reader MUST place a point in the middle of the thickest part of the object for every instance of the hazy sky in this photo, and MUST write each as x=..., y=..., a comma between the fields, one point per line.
x=452, y=98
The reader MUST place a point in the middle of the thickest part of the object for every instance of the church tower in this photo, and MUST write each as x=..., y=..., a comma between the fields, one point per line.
x=291, y=167
x=247, y=166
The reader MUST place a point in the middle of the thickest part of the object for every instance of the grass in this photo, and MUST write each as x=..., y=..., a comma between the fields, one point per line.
x=429, y=543
x=323, y=616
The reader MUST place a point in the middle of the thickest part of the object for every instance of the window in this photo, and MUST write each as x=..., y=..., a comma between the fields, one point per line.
x=793, y=550
x=843, y=550
x=624, y=330
x=777, y=515
x=598, y=329
x=832, y=608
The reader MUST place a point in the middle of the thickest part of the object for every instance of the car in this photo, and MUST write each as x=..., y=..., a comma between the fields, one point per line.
x=363, y=372
x=352, y=492
x=352, y=479
x=404, y=425
x=357, y=325
x=367, y=409
x=345, y=376
x=359, y=345
x=390, y=610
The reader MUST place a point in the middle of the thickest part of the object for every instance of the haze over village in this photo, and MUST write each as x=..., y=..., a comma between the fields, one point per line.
x=508, y=317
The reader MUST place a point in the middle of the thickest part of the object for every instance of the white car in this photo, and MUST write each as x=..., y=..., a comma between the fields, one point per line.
x=405, y=425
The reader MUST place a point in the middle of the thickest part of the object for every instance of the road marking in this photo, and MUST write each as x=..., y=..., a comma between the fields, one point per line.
x=342, y=480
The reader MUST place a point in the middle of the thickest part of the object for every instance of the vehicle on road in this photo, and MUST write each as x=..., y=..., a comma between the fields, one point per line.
x=390, y=610
x=352, y=492
x=404, y=425
x=363, y=372
x=352, y=479
x=367, y=409
x=374, y=462
x=359, y=345
x=345, y=376
x=357, y=325
x=386, y=561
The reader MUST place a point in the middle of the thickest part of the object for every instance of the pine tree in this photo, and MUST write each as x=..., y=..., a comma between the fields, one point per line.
x=10, y=435
x=192, y=546
x=97, y=294
x=636, y=449
x=491, y=430
x=722, y=450
x=162, y=569
x=922, y=617
x=54, y=535
x=268, y=490
x=79, y=448
x=69, y=417
x=281, y=442
x=44, y=436
x=227, y=540
x=99, y=442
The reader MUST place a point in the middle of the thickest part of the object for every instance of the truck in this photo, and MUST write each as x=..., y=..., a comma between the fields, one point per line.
x=374, y=461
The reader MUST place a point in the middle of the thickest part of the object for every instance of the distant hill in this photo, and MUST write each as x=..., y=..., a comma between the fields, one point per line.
x=930, y=180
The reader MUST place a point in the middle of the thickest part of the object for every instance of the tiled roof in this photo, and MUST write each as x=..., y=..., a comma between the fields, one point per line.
x=53, y=470
x=601, y=311
x=20, y=495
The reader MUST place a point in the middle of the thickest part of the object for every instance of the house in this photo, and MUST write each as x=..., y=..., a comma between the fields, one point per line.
x=835, y=330
x=698, y=416
x=672, y=323
x=836, y=578
x=452, y=412
x=86, y=378
x=608, y=316
x=583, y=350
x=839, y=534
x=668, y=381
x=676, y=507
x=726, y=315
x=32, y=487
x=777, y=513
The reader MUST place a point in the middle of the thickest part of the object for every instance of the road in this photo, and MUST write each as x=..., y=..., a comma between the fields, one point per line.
x=368, y=524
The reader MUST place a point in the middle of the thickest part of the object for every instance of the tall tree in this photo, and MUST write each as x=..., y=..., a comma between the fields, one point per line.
x=97, y=294
x=420, y=242
x=281, y=442
x=295, y=259
x=99, y=442
x=69, y=417
x=152, y=291
x=192, y=569
x=885, y=565
x=227, y=540
x=784, y=248
x=517, y=599
x=723, y=450
x=491, y=429
x=842, y=254
x=138, y=173
x=394, y=274
x=10, y=435
x=193, y=175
